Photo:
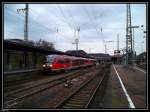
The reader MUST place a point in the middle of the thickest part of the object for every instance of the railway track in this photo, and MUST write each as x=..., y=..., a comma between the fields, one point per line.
x=35, y=84
x=19, y=95
x=83, y=96
x=142, y=66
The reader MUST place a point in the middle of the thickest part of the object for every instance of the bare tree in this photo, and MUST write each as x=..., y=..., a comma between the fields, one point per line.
x=45, y=44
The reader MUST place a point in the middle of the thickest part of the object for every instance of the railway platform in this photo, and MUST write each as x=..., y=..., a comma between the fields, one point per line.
x=126, y=88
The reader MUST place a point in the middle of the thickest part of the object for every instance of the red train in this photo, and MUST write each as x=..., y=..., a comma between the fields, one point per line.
x=66, y=63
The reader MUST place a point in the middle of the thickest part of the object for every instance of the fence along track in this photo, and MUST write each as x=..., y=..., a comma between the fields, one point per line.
x=82, y=97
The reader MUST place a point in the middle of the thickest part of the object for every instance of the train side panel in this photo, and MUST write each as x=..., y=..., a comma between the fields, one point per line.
x=63, y=62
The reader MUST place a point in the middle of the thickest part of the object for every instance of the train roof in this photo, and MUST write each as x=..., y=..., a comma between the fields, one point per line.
x=66, y=56
x=54, y=56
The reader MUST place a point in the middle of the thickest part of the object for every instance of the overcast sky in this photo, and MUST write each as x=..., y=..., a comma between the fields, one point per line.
x=58, y=23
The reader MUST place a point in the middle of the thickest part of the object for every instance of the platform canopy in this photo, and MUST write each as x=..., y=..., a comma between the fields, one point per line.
x=19, y=46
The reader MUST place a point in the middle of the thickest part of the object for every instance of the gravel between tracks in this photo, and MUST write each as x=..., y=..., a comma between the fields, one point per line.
x=48, y=98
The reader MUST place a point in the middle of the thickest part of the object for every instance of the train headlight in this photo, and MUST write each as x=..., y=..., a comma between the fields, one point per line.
x=44, y=65
x=51, y=65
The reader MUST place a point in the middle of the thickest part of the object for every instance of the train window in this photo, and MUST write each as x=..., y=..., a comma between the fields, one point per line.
x=81, y=62
x=61, y=61
x=50, y=60
x=74, y=62
x=67, y=60
x=78, y=62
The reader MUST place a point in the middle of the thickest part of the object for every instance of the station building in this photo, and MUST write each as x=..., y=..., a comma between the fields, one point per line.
x=77, y=52
x=19, y=55
x=101, y=57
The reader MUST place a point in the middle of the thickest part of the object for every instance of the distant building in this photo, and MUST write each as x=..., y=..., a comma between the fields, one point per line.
x=117, y=59
x=141, y=58
x=77, y=52
x=101, y=57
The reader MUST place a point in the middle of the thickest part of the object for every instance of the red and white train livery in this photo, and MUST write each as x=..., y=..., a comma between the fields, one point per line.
x=66, y=63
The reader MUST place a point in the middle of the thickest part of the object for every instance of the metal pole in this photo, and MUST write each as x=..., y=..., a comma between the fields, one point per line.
x=118, y=42
x=76, y=44
x=133, y=48
x=133, y=40
x=128, y=36
x=78, y=29
x=26, y=24
x=126, y=61
x=26, y=21
x=105, y=49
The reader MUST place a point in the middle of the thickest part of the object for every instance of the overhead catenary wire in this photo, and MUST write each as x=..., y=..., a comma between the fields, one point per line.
x=12, y=11
x=21, y=16
x=91, y=19
x=73, y=21
x=70, y=25
x=67, y=21
x=36, y=18
x=33, y=12
x=48, y=28
x=56, y=15
x=10, y=32
x=76, y=28
x=95, y=26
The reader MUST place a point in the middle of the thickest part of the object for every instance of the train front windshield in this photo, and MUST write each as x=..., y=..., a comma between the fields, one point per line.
x=49, y=61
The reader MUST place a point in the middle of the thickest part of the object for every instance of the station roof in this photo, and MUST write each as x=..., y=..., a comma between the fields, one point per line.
x=100, y=55
x=18, y=45
x=75, y=52
x=80, y=53
x=117, y=56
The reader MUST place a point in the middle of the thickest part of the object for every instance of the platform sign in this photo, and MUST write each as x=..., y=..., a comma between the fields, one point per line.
x=116, y=52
